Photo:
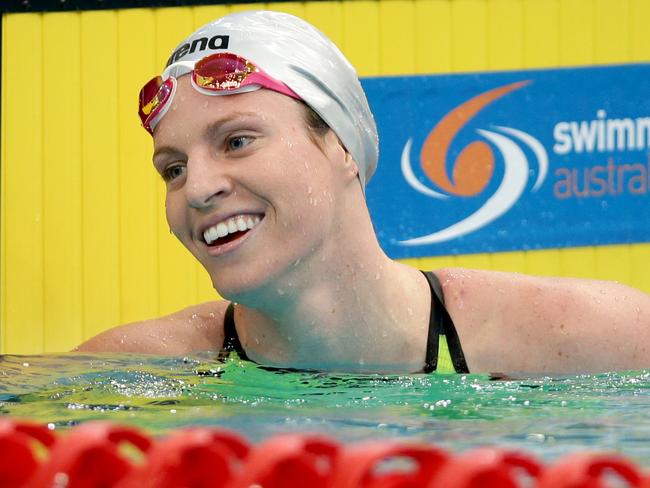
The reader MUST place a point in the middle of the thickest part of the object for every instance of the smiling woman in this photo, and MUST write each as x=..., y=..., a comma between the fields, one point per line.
x=275, y=212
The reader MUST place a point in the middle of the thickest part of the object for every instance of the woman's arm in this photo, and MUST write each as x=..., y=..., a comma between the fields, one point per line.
x=196, y=328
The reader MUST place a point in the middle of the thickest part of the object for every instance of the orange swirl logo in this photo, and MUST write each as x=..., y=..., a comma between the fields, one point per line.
x=474, y=167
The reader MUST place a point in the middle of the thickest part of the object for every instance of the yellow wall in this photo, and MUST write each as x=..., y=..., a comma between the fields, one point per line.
x=84, y=244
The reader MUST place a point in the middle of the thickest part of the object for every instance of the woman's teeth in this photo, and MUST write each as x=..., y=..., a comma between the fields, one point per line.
x=239, y=223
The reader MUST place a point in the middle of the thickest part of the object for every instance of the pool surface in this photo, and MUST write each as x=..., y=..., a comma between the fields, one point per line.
x=549, y=417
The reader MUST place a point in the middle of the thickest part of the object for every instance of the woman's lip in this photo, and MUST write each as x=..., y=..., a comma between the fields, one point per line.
x=204, y=228
x=230, y=246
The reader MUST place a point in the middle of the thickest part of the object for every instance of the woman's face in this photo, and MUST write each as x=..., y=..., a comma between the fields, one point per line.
x=249, y=191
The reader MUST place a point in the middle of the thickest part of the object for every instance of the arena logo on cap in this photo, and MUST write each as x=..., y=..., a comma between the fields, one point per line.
x=474, y=167
x=200, y=44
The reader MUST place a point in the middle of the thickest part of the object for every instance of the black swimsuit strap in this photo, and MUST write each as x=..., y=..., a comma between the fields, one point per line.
x=440, y=323
x=230, y=337
x=436, y=327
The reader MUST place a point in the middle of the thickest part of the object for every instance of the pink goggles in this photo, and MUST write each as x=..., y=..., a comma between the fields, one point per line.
x=217, y=73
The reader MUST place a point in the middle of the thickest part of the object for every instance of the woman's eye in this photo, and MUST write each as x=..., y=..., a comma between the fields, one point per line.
x=238, y=142
x=172, y=172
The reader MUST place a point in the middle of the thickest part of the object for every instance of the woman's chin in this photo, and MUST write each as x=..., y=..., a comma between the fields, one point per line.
x=240, y=288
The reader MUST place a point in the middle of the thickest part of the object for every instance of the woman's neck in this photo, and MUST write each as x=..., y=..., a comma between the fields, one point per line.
x=363, y=313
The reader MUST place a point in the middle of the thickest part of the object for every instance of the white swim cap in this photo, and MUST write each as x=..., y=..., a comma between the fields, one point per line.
x=299, y=55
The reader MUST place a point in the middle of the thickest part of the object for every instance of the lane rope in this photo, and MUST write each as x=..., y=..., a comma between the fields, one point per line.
x=106, y=455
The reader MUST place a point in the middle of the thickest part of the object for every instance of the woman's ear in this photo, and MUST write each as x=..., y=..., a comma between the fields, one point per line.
x=334, y=149
x=351, y=164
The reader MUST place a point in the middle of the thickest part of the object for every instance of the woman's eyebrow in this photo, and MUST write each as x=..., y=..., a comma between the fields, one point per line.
x=164, y=151
x=215, y=127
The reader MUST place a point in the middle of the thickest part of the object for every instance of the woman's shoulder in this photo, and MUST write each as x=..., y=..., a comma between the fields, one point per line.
x=518, y=322
x=195, y=328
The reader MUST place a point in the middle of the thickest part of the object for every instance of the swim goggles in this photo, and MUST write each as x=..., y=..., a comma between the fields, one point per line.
x=217, y=74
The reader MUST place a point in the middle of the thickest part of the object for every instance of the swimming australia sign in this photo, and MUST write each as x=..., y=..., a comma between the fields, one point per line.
x=516, y=160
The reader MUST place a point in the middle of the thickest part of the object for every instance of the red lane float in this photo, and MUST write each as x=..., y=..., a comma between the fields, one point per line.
x=103, y=455
x=290, y=461
x=89, y=456
x=387, y=465
x=196, y=457
x=488, y=467
x=18, y=456
x=583, y=470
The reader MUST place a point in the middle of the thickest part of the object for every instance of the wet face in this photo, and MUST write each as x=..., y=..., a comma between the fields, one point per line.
x=250, y=191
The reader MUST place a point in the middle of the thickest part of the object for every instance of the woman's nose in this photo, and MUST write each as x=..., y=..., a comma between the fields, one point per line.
x=206, y=184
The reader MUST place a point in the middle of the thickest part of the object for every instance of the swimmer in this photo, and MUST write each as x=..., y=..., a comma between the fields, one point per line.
x=265, y=141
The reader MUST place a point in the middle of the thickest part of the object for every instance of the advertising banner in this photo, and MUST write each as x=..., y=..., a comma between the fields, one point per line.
x=516, y=160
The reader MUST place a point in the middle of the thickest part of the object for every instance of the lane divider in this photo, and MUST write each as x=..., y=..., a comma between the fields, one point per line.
x=106, y=455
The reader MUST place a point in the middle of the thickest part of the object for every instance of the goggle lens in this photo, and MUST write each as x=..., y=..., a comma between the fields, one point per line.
x=152, y=98
x=222, y=71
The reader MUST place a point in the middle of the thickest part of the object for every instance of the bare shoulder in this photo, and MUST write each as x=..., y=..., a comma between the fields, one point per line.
x=517, y=322
x=195, y=328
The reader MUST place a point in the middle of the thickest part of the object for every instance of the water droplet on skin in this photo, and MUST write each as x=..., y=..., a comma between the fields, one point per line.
x=309, y=190
x=409, y=310
x=194, y=316
x=205, y=104
x=378, y=276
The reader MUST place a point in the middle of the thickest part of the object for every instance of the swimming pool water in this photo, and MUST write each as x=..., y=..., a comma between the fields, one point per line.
x=546, y=416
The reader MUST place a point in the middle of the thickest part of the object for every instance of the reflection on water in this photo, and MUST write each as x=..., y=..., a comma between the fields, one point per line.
x=547, y=416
